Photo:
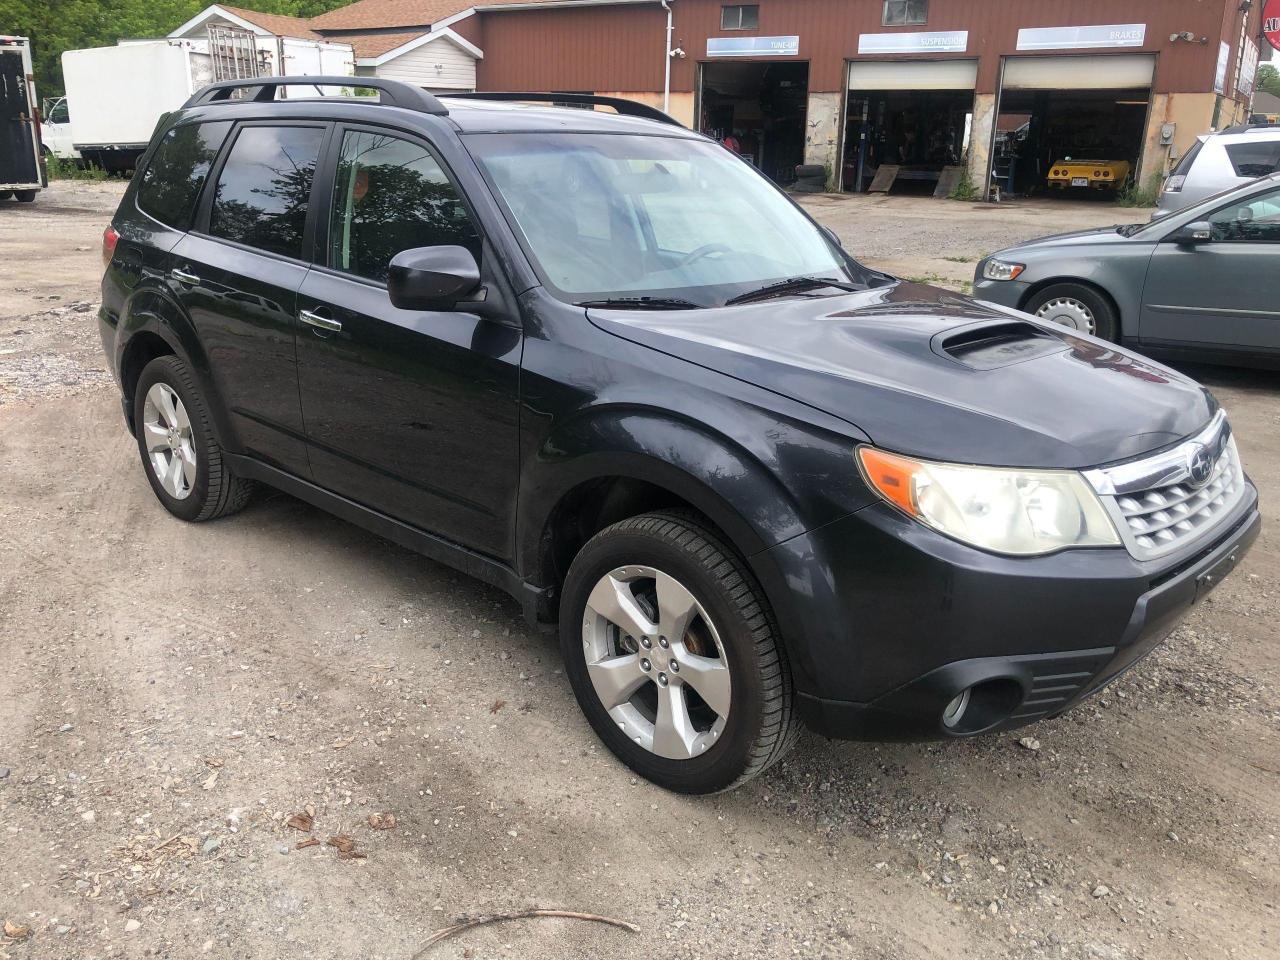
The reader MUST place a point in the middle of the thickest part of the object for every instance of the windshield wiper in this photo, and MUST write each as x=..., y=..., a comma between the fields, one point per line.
x=641, y=303
x=793, y=285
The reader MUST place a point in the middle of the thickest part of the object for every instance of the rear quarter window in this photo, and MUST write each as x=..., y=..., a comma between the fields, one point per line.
x=1255, y=159
x=177, y=170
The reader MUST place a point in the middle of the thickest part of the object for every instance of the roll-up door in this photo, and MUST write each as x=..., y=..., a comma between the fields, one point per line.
x=913, y=75
x=1112, y=72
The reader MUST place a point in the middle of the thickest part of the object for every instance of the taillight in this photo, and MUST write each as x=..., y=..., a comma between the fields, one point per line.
x=109, y=240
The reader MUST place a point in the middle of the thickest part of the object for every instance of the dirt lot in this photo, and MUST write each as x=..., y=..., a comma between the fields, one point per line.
x=172, y=694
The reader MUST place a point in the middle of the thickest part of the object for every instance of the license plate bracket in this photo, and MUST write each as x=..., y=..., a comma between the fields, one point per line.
x=1079, y=181
x=1216, y=574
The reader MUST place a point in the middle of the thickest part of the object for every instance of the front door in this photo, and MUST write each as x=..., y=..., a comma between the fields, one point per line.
x=413, y=413
x=238, y=275
x=1221, y=292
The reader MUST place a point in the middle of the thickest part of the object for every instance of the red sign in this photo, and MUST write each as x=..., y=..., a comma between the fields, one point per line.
x=1271, y=22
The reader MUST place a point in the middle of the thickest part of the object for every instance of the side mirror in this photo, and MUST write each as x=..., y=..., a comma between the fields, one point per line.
x=432, y=278
x=1193, y=233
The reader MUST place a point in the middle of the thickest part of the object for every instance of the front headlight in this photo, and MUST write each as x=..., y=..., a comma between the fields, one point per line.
x=1000, y=270
x=1019, y=512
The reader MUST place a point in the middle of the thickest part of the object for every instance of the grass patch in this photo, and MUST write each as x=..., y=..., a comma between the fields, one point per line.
x=966, y=189
x=60, y=169
x=961, y=259
x=1133, y=195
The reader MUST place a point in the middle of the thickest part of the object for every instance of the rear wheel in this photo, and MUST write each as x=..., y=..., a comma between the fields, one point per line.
x=673, y=656
x=5, y=194
x=183, y=459
x=25, y=196
x=1077, y=306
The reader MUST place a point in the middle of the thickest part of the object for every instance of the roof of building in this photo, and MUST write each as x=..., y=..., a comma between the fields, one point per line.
x=369, y=45
x=277, y=23
x=380, y=14
x=1264, y=102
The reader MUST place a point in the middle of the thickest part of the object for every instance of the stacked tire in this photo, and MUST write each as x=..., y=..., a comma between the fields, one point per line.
x=810, y=178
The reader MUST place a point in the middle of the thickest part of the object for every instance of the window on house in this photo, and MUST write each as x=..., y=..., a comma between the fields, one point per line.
x=900, y=12
x=740, y=17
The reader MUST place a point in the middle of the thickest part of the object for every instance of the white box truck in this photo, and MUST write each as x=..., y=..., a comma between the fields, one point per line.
x=117, y=95
x=22, y=172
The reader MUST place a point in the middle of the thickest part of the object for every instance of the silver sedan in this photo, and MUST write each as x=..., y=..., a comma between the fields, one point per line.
x=1202, y=283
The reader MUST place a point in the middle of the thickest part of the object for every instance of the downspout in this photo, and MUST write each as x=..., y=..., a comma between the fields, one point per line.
x=666, y=65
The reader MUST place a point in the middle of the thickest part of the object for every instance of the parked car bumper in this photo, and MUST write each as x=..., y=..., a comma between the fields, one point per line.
x=892, y=621
x=1007, y=293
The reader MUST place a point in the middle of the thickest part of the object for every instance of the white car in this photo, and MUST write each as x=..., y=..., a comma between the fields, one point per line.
x=1221, y=161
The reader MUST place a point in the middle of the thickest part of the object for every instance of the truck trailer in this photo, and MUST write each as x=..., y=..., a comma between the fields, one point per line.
x=22, y=172
x=117, y=95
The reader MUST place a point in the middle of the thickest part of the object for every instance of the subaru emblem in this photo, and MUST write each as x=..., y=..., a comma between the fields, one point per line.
x=1199, y=466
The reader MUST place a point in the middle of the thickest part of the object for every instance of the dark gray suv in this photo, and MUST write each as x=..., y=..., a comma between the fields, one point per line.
x=601, y=362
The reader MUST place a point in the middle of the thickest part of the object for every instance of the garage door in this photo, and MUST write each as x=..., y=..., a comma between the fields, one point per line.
x=1078, y=73
x=917, y=75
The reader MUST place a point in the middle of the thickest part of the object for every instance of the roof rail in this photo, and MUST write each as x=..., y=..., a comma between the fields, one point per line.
x=629, y=108
x=393, y=92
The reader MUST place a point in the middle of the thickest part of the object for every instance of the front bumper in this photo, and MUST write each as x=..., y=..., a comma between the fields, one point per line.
x=896, y=620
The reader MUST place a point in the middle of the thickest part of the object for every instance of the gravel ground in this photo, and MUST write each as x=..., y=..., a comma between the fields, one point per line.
x=178, y=702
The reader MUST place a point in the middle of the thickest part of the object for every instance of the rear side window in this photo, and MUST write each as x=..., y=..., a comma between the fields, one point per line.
x=177, y=171
x=1255, y=159
x=1184, y=165
x=265, y=187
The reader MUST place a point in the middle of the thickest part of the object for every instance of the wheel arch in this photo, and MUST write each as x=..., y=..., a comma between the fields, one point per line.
x=1094, y=285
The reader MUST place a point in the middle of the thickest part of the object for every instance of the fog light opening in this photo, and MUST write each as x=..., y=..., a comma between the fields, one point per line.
x=954, y=712
x=980, y=707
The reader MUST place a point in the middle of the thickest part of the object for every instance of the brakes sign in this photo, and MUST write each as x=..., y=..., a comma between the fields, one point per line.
x=1271, y=22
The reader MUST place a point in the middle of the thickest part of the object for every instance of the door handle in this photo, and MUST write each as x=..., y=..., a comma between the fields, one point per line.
x=315, y=320
x=190, y=279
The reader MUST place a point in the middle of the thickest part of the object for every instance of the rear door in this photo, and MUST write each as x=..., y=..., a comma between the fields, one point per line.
x=238, y=273
x=19, y=152
x=412, y=412
x=1223, y=292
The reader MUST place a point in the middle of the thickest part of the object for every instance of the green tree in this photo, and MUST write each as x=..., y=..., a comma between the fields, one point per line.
x=58, y=25
x=1268, y=79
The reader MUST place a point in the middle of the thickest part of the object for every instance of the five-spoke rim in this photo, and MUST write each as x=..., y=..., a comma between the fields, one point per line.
x=166, y=431
x=1068, y=312
x=656, y=662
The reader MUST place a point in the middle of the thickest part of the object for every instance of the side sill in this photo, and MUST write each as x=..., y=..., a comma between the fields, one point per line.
x=534, y=601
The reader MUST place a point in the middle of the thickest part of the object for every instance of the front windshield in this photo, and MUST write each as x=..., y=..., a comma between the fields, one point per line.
x=618, y=216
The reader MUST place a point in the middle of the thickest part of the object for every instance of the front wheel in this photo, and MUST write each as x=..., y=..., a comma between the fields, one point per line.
x=673, y=656
x=1077, y=306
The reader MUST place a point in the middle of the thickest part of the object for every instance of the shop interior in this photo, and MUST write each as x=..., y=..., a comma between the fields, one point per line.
x=920, y=131
x=1037, y=128
x=757, y=109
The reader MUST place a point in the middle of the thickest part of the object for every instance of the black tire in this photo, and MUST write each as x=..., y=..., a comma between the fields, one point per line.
x=215, y=491
x=25, y=196
x=811, y=171
x=1106, y=323
x=5, y=194
x=760, y=726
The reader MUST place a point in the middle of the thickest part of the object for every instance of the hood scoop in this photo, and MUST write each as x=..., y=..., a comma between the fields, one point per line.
x=989, y=346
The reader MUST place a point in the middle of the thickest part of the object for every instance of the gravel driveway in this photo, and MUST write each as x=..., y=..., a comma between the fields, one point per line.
x=184, y=710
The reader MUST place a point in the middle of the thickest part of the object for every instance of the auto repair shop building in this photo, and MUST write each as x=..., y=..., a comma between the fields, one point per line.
x=854, y=85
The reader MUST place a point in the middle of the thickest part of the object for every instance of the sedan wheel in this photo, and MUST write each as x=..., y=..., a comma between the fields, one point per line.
x=656, y=662
x=1068, y=312
x=166, y=430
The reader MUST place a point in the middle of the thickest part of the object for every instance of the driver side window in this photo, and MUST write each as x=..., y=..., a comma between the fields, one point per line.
x=1255, y=220
x=390, y=195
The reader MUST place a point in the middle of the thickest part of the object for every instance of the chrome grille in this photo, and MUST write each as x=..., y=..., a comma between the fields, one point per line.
x=1159, y=504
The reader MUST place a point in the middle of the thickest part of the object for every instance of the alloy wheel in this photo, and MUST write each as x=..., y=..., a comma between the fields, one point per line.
x=656, y=662
x=1069, y=312
x=166, y=431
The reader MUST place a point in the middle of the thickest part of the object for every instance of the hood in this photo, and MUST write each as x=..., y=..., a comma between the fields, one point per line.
x=1091, y=237
x=933, y=374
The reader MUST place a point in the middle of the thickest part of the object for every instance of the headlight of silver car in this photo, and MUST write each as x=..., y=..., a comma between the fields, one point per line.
x=1018, y=512
x=1001, y=270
